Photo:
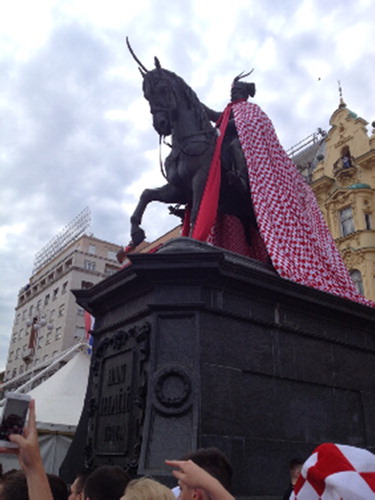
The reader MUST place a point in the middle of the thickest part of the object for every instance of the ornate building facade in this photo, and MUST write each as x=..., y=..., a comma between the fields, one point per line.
x=340, y=167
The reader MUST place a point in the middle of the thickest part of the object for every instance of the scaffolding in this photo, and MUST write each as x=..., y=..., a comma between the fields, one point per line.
x=68, y=234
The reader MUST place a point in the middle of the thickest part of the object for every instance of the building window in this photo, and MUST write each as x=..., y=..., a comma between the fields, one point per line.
x=61, y=310
x=112, y=255
x=30, y=311
x=48, y=338
x=89, y=265
x=357, y=280
x=46, y=299
x=346, y=221
x=18, y=351
x=64, y=287
x=109, y=270
x=58, y=333
x=368, y=224
x=40, y=340
x=20, y=335
x=92, y=249
x=11, y=356
x=52, y=315
x=55, y=293
x=80, y=332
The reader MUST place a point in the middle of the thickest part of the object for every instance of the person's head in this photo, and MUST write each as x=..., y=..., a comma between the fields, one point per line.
x=58, y=487
x=77, y=487
x=14, y=486
x=295, y=467
x=213, y=461
x=241, y=90
x=146, y=488
x=106, y=483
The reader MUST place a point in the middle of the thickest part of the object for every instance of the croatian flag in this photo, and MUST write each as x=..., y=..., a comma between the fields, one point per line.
x=89, y=326
x=337, y=472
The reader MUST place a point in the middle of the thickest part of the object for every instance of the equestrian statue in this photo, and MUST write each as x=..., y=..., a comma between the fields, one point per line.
x=239, y=188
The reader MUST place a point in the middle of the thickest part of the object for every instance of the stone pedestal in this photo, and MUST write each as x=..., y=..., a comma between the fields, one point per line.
x=195, y=346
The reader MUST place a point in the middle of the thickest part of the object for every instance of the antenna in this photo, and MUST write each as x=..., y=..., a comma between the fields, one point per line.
x=342, y=103
x=68, y=234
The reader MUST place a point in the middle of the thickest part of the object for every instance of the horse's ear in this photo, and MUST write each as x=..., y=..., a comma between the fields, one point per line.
x=157, y=63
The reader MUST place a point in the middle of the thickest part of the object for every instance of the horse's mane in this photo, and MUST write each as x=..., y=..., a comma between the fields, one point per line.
x=190, y=97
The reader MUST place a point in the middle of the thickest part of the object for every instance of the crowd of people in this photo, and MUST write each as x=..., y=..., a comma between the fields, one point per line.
x=204, y=474
x=32, y=482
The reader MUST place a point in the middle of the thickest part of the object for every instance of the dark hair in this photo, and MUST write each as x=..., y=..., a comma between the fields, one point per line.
x=81, y=480
x=14, y=486
x=58, y=487
x=106, y=483
x=213, y=461
x=295, y=462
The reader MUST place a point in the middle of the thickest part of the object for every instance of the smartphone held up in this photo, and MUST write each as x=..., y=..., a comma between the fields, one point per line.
x=14, y=417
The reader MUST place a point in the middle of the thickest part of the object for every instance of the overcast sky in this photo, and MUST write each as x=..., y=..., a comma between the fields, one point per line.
x=76, y=130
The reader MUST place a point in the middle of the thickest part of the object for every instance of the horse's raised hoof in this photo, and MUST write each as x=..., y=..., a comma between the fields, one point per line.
x=121, y=254
x=177, y=211
x=138, y=236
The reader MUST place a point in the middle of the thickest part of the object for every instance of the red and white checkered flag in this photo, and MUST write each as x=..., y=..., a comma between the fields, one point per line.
x=337, y=472
x=290, y=222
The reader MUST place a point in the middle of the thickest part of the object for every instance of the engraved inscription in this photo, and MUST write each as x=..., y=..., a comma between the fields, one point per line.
x=118, y=398
x=115, y=404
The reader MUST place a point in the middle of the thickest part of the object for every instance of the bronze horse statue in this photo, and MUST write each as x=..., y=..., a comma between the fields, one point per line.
x=177, y=112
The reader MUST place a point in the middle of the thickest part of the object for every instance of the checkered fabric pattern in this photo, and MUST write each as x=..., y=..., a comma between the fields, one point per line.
x=228, y=233
x=290, y=222
x=337, y=472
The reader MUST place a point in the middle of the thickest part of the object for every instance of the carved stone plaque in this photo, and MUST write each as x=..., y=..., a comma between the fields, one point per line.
x=118, y=397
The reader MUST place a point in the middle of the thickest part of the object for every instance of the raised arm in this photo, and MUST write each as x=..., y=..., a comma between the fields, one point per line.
x=195, y=477
x=30, y=460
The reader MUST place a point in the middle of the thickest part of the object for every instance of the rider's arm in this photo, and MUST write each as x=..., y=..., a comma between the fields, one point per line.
x=212, y=115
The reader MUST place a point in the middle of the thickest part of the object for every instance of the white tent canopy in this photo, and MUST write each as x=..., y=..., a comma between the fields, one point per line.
x=59, y=399
x=59, y=402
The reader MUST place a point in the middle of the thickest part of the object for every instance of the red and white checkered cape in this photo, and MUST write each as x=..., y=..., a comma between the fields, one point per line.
x=291, y=225
x=337, y=472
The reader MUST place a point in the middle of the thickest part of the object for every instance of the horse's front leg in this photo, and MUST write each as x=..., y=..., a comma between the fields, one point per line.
x=166, y=194
x=136, y=232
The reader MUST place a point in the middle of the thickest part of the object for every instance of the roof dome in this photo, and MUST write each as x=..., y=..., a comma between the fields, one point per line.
x=360, y=186
x=351, y=114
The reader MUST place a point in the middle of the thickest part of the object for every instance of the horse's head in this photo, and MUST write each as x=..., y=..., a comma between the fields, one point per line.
x=168, y=96
x=159, y=90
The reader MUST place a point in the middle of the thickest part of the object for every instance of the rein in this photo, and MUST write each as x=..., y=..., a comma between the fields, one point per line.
x=183, y=150
x=207, y=142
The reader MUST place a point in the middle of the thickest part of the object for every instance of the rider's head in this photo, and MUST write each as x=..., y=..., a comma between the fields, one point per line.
x=241, y=90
